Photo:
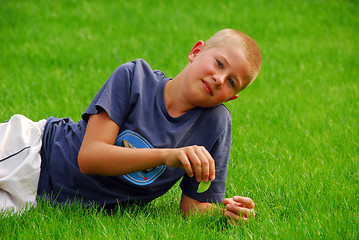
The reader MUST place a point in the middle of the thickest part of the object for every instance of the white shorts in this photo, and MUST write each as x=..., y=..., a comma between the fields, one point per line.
x=20, y=161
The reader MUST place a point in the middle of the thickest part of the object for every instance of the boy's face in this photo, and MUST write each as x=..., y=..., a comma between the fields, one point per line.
x=216, y=75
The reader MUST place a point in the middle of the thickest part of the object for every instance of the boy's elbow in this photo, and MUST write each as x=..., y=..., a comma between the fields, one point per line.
x=82, y=160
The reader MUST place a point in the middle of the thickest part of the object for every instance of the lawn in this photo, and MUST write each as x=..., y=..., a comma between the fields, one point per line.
x=295, y=129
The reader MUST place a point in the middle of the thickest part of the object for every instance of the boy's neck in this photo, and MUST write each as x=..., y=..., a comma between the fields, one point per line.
x=175, y=102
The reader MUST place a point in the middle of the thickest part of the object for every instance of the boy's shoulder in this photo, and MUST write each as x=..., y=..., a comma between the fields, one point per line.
x=219, y=115
x=137, y=63
x=131, y=65
x=220, y=110
x=138, y=67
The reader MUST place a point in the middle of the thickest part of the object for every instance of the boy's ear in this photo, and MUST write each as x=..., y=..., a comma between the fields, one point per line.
x=233, y=98
x=195, y=50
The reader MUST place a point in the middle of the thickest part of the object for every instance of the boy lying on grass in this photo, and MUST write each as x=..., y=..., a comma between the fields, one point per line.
x=140, y=134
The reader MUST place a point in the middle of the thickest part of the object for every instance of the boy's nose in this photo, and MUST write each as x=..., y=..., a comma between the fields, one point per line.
x=219, y=80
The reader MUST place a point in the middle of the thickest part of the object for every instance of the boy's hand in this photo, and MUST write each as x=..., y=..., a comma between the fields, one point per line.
x=239, y=208
x=194, y=160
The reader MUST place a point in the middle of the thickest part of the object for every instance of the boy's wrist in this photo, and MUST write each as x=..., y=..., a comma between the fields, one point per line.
x=164, y=155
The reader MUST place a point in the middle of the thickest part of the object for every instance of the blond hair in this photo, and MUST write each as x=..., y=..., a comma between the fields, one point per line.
x=246, y=44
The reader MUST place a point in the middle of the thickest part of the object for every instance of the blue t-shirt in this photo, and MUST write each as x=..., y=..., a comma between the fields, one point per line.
x=133, y=97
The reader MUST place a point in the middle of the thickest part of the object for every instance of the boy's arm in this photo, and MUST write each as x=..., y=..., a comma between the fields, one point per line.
x=189, y=205
x=99, y=155
x=237, y=208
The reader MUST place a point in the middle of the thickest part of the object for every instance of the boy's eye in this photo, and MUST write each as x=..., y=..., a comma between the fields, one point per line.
x=231, y=82
x=219, y=64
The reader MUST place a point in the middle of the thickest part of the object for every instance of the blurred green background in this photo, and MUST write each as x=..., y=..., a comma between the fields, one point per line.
x=295, y=129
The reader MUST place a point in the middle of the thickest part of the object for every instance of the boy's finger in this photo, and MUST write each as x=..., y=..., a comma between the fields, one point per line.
x=204, y=163
x=238, y=213
x=227, y=201
x=186, y=165
x=231, y=201
x=232, y=216
x=212, y=168
x=245, y=201
x=196, y=164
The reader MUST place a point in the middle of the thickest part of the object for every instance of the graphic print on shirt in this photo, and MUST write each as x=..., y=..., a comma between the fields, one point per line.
x=131, y=139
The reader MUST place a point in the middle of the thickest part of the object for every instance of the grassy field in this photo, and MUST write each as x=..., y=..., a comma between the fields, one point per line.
x=295, y=133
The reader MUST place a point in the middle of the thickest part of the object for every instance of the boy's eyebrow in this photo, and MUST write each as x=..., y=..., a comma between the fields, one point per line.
x=227, y=63
x=225, y=59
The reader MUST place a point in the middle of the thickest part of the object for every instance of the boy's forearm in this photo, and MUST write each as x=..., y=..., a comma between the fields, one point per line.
x=110, y=160
x=189, y=205
x=203, y=208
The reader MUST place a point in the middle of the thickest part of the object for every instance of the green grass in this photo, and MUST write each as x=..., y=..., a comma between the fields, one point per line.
x=295, y=133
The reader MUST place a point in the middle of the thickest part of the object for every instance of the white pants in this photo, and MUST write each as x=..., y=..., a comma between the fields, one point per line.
x=20, y=161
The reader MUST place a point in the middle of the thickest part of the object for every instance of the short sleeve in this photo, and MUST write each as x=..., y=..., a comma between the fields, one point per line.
x=220, y=153
x=114, y=95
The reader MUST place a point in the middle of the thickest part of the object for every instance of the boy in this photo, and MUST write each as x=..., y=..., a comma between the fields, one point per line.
x=141, y=133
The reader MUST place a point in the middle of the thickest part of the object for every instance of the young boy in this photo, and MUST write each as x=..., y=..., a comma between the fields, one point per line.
x=141, y=134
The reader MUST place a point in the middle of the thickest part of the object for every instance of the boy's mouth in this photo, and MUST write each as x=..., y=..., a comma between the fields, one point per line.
x=207, y=87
